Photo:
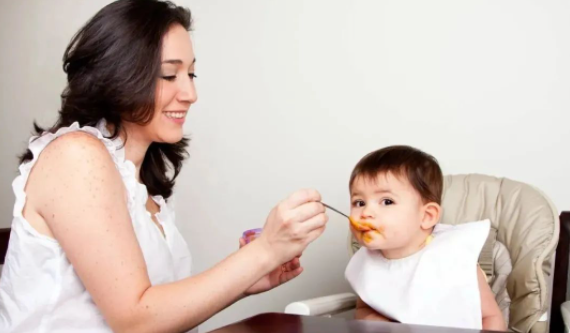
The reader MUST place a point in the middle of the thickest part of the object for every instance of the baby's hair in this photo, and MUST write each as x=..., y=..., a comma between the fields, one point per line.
x=419, y=168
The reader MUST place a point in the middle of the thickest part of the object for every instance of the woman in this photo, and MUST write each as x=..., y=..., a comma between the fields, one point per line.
x=94, y=246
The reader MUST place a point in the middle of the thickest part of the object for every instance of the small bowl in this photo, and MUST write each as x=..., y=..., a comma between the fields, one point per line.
x=250, y=235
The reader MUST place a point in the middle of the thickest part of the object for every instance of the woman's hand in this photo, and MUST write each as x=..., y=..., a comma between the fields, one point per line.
x=284, y=273
x=292, y=225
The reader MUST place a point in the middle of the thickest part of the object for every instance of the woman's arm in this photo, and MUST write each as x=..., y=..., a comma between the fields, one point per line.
x=78, y=191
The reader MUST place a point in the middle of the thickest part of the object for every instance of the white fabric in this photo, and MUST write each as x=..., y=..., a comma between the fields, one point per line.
x=436, y=286
x=39, y=289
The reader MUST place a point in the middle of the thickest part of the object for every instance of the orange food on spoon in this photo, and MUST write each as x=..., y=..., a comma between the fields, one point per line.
x=366, y=229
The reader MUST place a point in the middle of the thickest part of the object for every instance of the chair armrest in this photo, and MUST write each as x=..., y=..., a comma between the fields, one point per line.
x=323, y=305
x=566, y=314
x=560, y=282
x=4, y=238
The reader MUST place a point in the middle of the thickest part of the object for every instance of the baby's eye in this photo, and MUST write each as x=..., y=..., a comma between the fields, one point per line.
x=358, y=203
x=387, y=202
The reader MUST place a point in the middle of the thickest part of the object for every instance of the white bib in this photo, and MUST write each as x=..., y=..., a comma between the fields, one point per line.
x=436, y=286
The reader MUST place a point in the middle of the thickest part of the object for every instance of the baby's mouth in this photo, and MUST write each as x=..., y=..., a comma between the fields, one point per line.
x=363, y=226
x=367, y=230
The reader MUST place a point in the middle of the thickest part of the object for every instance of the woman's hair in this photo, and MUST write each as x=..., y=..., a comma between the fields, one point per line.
x=112, y=66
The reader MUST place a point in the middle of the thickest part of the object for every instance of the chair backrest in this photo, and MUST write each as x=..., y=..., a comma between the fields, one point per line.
x=527, y=224
x=4, y=237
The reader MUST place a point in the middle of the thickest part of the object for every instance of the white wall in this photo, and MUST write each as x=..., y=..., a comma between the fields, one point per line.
x=293, y=93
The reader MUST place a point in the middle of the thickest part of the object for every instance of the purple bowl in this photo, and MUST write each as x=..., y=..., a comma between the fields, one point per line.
x=251, y=234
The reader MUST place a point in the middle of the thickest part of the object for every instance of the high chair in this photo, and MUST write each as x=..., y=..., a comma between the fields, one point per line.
x=518, y=256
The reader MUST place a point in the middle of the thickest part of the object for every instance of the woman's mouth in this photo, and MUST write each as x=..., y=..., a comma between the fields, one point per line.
x=176, y=116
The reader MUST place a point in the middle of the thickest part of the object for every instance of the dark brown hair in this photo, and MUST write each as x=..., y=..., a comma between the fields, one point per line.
x=112, y=66
x=420, y=169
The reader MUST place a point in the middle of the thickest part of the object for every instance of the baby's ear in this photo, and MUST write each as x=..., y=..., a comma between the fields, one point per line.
x=431, y=214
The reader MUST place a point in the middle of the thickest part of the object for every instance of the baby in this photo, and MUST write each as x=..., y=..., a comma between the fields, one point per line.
x=411, y=269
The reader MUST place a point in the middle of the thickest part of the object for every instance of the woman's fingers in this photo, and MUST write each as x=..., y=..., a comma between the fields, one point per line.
x=301, y=197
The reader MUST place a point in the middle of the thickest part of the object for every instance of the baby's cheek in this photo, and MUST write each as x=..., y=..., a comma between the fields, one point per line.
x=377, y=243
x=356, y=234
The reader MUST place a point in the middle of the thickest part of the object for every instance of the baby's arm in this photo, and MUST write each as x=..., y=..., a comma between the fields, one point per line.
x=492, y=316
x=364, y=312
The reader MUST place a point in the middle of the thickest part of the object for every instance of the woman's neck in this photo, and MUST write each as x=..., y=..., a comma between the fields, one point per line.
x=135, y=145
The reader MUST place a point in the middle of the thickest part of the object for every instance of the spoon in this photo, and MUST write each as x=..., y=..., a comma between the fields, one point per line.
x=360, y=226
x=337, y=211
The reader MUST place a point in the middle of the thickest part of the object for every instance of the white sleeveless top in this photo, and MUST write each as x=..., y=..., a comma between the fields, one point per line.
x=436, y=286
x=39, y=289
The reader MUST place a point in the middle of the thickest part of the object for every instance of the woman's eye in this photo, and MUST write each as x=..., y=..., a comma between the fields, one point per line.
x=169, y=77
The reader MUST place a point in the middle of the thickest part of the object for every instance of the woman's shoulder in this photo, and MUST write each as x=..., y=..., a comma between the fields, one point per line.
x=69, y=158
x=67, y=170
x=74, y=150
x=76, y=142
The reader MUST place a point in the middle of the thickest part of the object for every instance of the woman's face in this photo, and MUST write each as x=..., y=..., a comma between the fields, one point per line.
x=175, y=90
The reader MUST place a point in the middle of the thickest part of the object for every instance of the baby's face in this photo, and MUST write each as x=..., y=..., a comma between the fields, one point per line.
x=387, y=212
